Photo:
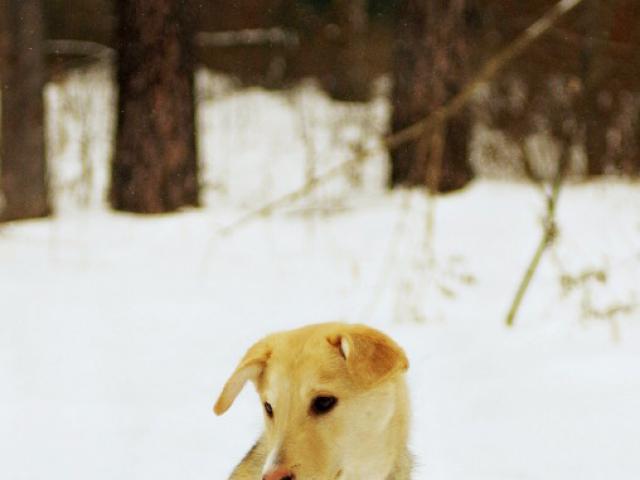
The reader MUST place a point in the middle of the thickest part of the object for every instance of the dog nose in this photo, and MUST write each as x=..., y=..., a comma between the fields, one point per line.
x=279, y=473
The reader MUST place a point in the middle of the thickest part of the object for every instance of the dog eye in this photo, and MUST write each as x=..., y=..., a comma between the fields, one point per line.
x=322, y=405
x=268, y=409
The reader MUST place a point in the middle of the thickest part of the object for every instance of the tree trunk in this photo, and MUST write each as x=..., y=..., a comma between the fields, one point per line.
x=350, y=80
x=430, y=66
x=23, y=179
x=595, y=135
x=595, y=67
x=155, y=166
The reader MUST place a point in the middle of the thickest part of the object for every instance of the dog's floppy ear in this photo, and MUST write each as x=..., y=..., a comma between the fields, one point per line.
x=250, y=368
x=371, y=356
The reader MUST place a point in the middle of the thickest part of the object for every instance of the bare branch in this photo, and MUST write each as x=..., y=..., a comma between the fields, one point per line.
x=231, y=38
x=249, y=36
x=79, y=48
x=302, y=192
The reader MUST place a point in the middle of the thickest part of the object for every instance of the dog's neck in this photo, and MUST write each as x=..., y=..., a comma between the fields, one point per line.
x=402, y=468
x=399, y=470
x=384, y=455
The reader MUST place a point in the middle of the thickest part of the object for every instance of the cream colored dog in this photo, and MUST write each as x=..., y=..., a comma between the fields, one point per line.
x=335, y=405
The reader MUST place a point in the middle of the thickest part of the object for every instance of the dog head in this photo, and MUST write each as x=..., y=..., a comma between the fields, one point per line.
x=328, y=392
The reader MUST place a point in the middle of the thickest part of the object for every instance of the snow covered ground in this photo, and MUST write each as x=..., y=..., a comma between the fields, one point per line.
x=118, y=331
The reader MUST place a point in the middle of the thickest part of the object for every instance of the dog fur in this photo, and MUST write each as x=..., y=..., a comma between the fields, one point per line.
x=364, y=436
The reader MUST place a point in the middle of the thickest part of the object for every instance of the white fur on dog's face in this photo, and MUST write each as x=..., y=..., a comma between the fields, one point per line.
x=358, y=366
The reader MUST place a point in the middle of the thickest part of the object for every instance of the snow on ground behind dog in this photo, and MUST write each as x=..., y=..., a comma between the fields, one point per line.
x=118, y=331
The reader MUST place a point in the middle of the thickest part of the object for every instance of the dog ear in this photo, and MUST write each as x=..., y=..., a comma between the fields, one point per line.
x=371, y=356
x=250, y=368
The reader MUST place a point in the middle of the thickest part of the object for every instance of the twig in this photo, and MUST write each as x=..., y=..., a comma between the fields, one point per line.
x=527, y=166
x=390, y=258
x=287, y=198
x=548, y=235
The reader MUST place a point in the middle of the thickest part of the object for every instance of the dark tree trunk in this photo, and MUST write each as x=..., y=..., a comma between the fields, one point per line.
x=430, y=66
x=595, y=143
x=23, y=180
x=350, y=80
x=625, y=29
x=155, y=166
x=595, y=67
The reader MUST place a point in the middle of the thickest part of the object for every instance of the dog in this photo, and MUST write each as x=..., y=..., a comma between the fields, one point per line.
x=335, y=405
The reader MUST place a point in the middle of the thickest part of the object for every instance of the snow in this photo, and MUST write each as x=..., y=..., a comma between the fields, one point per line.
x=118, y=331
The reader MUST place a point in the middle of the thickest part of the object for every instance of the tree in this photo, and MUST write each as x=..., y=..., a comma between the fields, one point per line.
x=350, y=80
x=430, y=66
x=155, y=165
x=594, y=67
x=23, y=179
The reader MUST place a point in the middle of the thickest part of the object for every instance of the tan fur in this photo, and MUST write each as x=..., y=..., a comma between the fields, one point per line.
x=363, y=437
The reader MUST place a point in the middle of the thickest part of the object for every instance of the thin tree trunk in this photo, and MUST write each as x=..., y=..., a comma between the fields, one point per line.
x=23, y=173
x=155, y=165
x=431, y=56
x=596, y=119
x=549, y=234
x=595, y=136
x=350, y=78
